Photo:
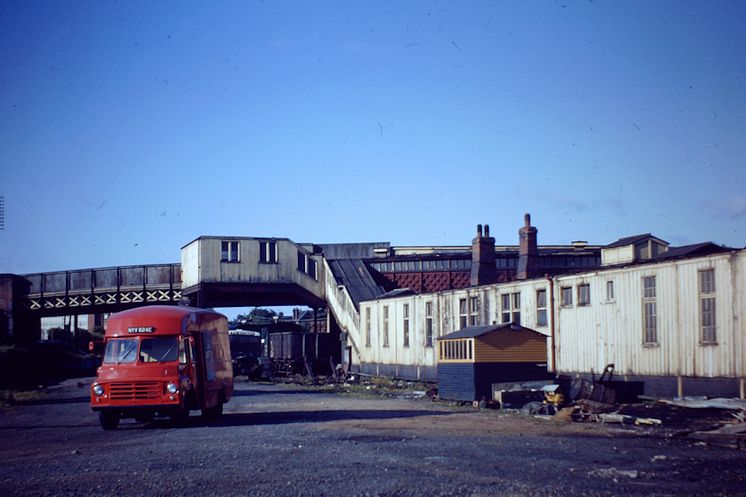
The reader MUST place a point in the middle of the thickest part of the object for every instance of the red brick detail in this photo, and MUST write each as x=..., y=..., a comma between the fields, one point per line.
x=506, y=275
x=435, y=282
x=427, y=282
x=460, y=280
x=409, y=280
x=390, y=278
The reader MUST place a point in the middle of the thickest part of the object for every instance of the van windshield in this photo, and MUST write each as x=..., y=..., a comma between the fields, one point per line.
x=161, y=349
x=124, y=350
x=121, y=350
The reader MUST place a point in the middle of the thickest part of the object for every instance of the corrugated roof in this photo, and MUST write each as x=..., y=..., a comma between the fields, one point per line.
x=695, y=249
x=354, y=275
x=351, y=250
x=475, y=331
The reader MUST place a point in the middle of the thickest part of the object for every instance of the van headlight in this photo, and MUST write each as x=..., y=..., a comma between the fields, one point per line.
x=172, y=387
x=98, y=390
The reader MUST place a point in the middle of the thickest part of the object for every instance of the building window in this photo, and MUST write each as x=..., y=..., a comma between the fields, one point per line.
x=367, y=326
x=610, y=290
x=268, y=252
x=312, y=269
x=584, y=294
x=405, y=324
x=457, y=350
x=566, y=296
x=385, y=326
x=306, y=264
x=463, y=313
x=707, y=306
x=649, y=311
x=228, y=251
x=473, y=311
x=541, y=307
x=511, y=307
x=428, y=324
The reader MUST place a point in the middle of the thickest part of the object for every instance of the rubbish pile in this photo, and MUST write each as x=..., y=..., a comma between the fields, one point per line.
x=713, y=421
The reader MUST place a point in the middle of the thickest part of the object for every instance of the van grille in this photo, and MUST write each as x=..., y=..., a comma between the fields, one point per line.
x=144, y=390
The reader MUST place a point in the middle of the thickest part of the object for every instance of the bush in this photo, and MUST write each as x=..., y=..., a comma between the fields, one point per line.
x=42, y=363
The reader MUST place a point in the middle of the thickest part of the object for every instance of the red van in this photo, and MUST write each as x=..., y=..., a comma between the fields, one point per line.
x=163, y=361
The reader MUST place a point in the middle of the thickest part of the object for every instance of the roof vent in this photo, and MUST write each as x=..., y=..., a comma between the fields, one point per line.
x=579, y=244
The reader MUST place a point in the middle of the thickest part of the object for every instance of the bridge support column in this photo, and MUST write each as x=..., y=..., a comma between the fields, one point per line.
x=16, y=324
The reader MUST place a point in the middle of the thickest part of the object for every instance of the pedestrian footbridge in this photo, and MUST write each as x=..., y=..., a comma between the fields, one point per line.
x=214, y=272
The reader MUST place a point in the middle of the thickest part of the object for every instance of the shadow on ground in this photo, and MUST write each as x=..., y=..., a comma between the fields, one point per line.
x=290, y=417
x=250, y=392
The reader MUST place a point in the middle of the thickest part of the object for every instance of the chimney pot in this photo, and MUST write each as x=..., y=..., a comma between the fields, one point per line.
x=527, y=220
x=487, y=230
x=479, y=230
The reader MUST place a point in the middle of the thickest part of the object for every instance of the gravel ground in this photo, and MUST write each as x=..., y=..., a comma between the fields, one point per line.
x=287, y=440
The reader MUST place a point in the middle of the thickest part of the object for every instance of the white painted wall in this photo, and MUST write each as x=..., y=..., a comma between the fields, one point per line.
x=605, y=331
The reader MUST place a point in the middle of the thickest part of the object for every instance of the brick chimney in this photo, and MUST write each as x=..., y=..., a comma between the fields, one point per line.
x=528, y=251
x=483, y=269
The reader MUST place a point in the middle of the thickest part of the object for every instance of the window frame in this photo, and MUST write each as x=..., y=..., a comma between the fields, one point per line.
x=268, y=252
x=610, y=291
x=566, y=296
x=405, y=325
x=463, y=312
x=307, y=265
x=510, y=308
x=429, y=324
x=541, y=310
x=367, y=327
x=386, y=326
x=474, y=310
x=584, y=294
x=706, y=291
x=230, y=251
x=456, y=350
x=649, y=311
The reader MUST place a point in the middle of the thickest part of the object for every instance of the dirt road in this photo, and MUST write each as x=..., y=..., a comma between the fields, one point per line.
x=285, y=440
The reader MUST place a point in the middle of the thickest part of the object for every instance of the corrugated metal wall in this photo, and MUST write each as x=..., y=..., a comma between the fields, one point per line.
x=611, y=331
x=605, y=331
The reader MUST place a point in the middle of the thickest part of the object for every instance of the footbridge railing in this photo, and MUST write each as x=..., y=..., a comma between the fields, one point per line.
x=103, y=289
x=343, y=308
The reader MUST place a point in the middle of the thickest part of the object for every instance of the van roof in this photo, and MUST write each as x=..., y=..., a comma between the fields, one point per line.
x=153, y=320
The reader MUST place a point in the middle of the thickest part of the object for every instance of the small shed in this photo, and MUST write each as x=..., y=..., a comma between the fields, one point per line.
x=472, y=359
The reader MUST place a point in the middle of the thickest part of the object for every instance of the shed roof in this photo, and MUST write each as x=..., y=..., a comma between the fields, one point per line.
x=630, y=240
x=475, y=331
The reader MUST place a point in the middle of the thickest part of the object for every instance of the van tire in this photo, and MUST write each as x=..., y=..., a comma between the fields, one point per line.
x=109, y=419
x=181, y=416
x=215, y=412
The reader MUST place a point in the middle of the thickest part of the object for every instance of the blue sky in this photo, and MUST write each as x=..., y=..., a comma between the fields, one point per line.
x=130, y=128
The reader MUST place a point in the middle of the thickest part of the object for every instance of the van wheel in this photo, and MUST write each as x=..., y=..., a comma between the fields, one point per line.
x=213, y=413
x=180, y=417
x=109, y=420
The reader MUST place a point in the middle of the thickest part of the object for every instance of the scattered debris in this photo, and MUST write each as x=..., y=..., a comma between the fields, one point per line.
x=539, y=408
x=724, y=436
x=704, y=403
x=614, y=473
x=518, y=398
